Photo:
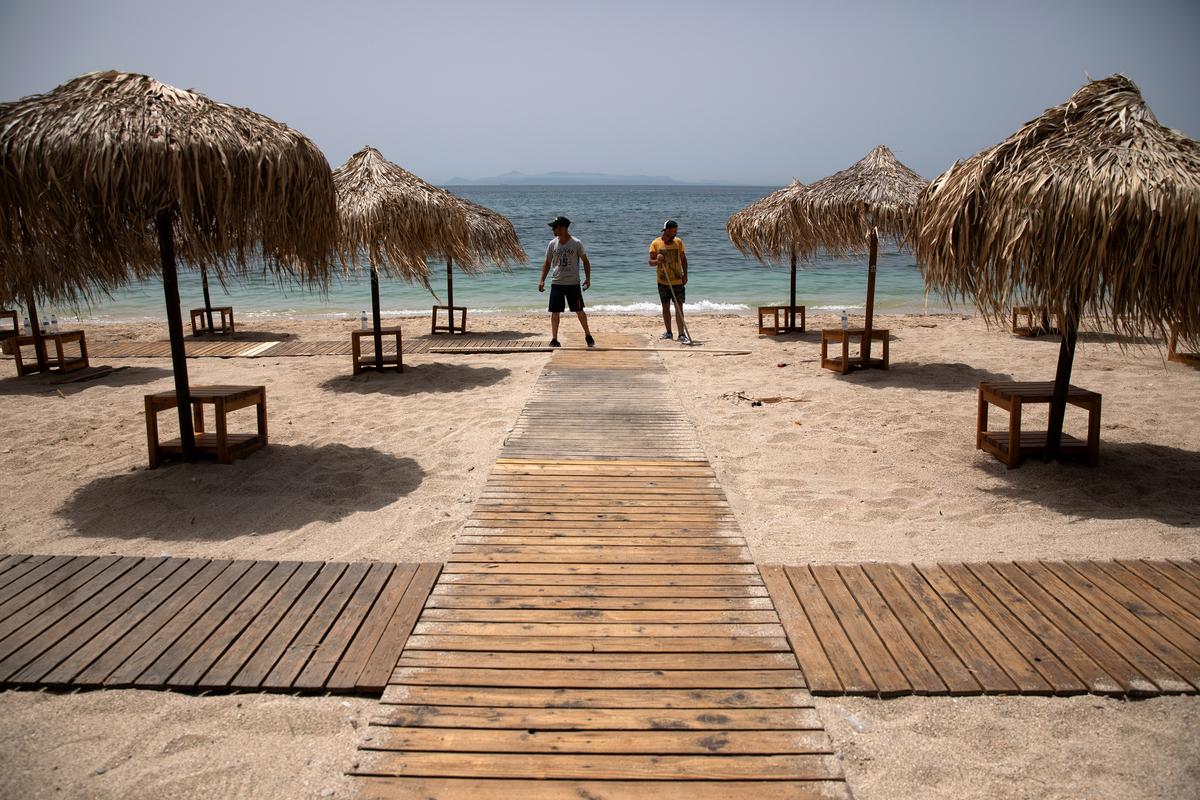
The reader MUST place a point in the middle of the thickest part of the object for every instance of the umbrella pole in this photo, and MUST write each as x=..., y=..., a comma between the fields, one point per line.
x=866, y=340
x=378, y=337
x=183, y=397
x=450, y=291
x=207, y=301
x=792, y=307
x=39, y=344
x=1062, y=383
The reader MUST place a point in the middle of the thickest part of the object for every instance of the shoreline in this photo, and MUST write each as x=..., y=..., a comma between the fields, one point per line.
x=872, y=466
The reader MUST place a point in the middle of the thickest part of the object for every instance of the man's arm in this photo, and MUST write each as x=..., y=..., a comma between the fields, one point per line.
x=653, y=256
x=545, y=271
x=587, y=272
x=683, y=263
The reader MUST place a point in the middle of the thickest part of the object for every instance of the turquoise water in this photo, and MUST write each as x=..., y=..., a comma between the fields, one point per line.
x=616, y=225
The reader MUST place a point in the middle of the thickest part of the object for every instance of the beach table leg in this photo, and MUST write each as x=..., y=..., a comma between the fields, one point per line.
x=223, y=456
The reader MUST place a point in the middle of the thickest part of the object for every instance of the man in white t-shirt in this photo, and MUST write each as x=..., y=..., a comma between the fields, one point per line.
x=563, y=255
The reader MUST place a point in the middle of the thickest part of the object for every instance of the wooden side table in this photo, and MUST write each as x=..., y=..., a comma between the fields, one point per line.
x=1031, y=321
x=1014, y=445
x=200, y=320
x=843, y=337
x=450, y=327
x=221, y=444
x=775, y=328
x=390, y=360
x=6, y=335
x=61, y=361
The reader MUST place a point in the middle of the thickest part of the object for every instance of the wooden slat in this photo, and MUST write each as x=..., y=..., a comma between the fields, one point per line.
x=762, y=742
x=354, y=661
x=852, y=673
x=572, y=642
x=613, y=719
x=378, y=788
x=399, y=629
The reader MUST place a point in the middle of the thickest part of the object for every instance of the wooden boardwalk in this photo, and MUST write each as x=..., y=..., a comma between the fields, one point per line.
x=226, y=348
x=1106, y=627
x=192, y=623
x=600, y=630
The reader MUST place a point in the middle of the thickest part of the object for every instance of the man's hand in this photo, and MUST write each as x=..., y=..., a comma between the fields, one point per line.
x=684, y=279
x=542, y=287
x=587, y=284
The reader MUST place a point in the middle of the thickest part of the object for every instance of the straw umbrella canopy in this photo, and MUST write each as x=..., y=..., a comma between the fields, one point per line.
x=769, y=229
x=491, y=238
x=101, y=179
x=397, y=220
x=1091, y=208
x=849, y=209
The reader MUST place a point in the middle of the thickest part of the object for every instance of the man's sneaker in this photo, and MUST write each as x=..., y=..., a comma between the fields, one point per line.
x=667, y=335
x=590, y=341
x=685, y=339
x=554, y=343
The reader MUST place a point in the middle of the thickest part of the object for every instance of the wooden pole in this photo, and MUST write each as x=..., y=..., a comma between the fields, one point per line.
x=39, y=344
x=183, y=397
x=450, y=291
x=866, y=342
x=1062, y=382
x=207, y=300
x=378, y=337
x=792, y=308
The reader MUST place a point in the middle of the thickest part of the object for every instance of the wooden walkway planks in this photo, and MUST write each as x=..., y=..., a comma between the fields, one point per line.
x=199, y=624
x=1065, y=627
x=470, y=343
x=599, y=630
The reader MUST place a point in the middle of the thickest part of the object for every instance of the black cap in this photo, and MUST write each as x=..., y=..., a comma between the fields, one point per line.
x=670, y=224
x=558, y=222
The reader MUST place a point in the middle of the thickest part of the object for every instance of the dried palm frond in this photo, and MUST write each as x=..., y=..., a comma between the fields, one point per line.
x=769, y=229
x=396, y=218
x=86, y=168
x=878, y=191
x=492, y=238
x=1092, y=208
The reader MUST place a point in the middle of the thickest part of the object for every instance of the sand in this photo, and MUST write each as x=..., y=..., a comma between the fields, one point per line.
x=873, y=466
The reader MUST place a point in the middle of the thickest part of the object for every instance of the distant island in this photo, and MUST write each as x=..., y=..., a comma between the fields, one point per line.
x=577, y=179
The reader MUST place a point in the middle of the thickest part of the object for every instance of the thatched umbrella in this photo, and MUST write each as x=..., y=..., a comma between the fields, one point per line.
x=397, y=219
x=101, y=177
x=491, y=237
x=849, y=209
x=1093, y=207
x=769, y=229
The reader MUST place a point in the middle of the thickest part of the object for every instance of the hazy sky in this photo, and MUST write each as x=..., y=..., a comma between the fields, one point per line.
x=744, y=90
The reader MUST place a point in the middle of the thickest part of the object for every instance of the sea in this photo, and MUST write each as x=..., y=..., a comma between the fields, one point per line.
x=616, y=225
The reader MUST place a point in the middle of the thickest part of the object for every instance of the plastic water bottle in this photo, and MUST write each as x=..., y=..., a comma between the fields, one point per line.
x=845, y=320
x=26, y=329
x=54, y=323
x=362, y=318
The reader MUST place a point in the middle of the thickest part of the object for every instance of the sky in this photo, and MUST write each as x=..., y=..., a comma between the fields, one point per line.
x=746, y=91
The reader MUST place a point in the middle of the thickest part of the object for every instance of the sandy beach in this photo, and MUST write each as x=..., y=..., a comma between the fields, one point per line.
x=875, y=466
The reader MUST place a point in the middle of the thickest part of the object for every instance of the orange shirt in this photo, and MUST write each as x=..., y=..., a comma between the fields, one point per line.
x=670, y=267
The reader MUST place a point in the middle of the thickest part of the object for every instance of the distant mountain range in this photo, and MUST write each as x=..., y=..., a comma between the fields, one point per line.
x=577, y=179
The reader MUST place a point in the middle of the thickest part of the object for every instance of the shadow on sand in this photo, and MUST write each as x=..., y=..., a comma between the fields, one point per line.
x=280, y=488
x=432, y=378
x=940, y=376
x=75, y=382
x=1133, y=481
x=241, y=336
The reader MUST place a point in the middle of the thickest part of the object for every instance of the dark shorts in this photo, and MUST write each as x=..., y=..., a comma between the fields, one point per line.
x=664, y=292
x=563, y=295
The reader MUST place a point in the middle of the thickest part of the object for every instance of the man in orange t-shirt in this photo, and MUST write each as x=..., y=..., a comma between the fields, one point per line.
x=668, y=256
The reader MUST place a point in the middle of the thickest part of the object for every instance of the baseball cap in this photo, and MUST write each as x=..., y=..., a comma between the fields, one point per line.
x=670, y=224
x=560, y=221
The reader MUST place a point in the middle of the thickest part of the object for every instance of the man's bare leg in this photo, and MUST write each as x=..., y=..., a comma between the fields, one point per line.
x=582, y=321
x=667, y=316
x=679, y=318
x=554, y=324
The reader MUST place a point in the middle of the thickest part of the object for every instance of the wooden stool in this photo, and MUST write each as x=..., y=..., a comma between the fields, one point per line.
x=765, y=327
x=450, y=327
x=389, y=361
x=200, y=320
x=6, y=335
x=1037, y=321
x=61, y=362
x=845, y=362
x=1013, y=445
x=221, y=444
x=1191, y=359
